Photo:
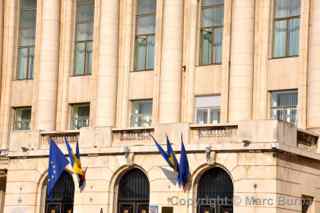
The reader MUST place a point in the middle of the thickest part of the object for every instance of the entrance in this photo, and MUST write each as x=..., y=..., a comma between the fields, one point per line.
x=63, y=193
x=133, y=194
x=215, y=192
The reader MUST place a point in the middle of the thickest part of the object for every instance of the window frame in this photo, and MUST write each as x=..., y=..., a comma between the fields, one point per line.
x=287, y=19
x=208, y=109
x=213, y=30
x=15, y=118
x=131, y=114
x=27, y=74
x=286, y=107
x=72, y=115
x=86, y=70
x=145, y=36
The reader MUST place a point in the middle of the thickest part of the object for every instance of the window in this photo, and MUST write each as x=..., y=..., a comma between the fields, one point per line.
x=84, y=34
x=208, y=109
x=286, y=28
x=80, y=116
x=284, y=106
x=22, y=118
x=211, y=32
x=145, y=35
x=307, y=202
x=141, y=113
x=27, y=32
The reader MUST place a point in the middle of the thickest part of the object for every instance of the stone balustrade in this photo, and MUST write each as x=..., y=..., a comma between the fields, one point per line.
x=307, y=141
x=213, y=133
x=132, y=135
x=58, y=137
x=251, y=133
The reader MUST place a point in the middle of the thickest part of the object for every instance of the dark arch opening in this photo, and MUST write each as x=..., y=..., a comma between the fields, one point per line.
x=133, y=192
x=215, y=192
x=63, y=195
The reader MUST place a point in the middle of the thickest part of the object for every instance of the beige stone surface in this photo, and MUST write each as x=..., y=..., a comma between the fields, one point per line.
x=264, y=158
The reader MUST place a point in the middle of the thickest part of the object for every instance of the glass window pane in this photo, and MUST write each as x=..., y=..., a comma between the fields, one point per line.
x=141, y=113
x=215, y=116
x=29, y=4
x=27, y=27
x=212, y=2
x=280, y=36
x=27, y=37
x=145, y=25
x=22, y=63
x=202, y=116
x=218, y=32
x=146, y=6
x=287, y=8
x=85, y=16
x=79, y=59
x=284, y=106
x=22, y=118
x=89, y=58
x=30, y=63
x=80, y=116
x=207, y=109
x=293, y=36
x=212, y=17
x=150, y=52
x=140, y=53
x=85, y=11
x=84, y=31
x=206, y=47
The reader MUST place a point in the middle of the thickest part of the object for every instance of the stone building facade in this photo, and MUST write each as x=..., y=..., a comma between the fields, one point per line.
x=239, y=79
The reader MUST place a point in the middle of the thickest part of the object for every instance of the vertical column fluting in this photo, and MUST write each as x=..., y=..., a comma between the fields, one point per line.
x=171, y=62
x=108, y=64
x=10, y=13
x=48, y=65
x=241, y=67
x=313, y=113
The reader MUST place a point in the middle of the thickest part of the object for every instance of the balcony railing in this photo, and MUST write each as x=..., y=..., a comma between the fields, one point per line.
x=307, y=141
x=208, y=133
x=132, y=134
x=58, y=137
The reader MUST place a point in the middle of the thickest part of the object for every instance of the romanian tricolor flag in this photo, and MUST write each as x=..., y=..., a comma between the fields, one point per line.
x=168, y=155
x=76, y=164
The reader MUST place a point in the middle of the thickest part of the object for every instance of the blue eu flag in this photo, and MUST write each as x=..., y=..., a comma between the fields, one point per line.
x=57, y=163
x=184, y=171
x=161, y=150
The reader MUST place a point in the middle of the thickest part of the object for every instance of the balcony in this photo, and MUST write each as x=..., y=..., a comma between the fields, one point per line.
x=59, y=137
x=307, y=140
x=244, y=135
x=214, y=133
x=138, y=135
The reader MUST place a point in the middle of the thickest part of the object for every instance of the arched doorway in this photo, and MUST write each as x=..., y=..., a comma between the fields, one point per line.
x=63, y=194
x=133, y=192
x=215, y=192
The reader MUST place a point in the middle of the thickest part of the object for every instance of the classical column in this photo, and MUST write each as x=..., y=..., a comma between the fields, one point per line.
x=241, y=67
x=108, y=64
x=171, y=62
x=48, y=65
x=10, y=12
x=313, y=103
